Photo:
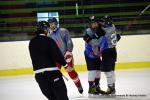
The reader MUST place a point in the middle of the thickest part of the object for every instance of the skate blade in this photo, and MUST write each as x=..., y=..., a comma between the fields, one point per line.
x=93, y=95
x=108, y=96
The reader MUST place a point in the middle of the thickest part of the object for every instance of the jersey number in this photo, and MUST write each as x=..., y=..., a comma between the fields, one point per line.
x=114, y=39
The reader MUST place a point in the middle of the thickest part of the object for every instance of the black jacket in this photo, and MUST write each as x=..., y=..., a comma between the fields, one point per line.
x=45, y=53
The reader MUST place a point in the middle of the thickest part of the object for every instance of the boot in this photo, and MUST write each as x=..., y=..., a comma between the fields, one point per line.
x=93, y=92
x=80, y=89
x=111, y=90
x=100, y=91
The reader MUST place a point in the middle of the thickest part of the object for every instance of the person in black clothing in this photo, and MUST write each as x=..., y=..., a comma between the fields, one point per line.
x=45, y=54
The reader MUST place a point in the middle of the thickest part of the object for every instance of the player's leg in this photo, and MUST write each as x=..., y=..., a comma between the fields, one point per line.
x=98, y=72
x=110, y=82
x=108, y=66
x=97, y=83
x=74, y=76
x=111, y=87
x=59, y=88
x=92, y=71
x=45, y=86
x=98, y=76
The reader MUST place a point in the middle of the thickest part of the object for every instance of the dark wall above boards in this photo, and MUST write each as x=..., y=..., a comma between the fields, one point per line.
x=18, y=17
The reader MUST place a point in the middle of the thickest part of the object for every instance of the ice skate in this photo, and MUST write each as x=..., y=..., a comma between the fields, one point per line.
x=80, y=89
x=100, y=91
x=111, y=90
x=93, y=93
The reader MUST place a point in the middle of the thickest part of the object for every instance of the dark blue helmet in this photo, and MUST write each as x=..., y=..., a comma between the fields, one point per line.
x=53, y=19
x=42, y=26
x=93, y=19
x=107, y=20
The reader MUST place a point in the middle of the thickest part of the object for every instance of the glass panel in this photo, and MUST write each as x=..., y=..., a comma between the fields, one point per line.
x=42, y=14
x=53, y=14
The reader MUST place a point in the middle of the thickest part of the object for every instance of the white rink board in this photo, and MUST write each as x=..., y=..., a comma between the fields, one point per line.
x=131, y=48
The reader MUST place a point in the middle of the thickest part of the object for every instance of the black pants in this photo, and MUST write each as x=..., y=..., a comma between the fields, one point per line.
x=109, y=57
x=52, y=85
x=93, y=64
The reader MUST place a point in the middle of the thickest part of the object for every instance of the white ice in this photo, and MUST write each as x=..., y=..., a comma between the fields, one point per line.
x=130, y=85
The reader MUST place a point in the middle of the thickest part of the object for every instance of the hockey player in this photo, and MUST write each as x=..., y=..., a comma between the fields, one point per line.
x=109, y=53
x=44, y=54
x=92, y=37
x=63, y=40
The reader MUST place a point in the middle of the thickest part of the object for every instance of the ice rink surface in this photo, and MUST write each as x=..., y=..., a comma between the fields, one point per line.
x=130, y=85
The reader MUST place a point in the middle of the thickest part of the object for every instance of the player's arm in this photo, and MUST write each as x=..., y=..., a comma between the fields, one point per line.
x=86, y=37
x=58, y=57
x=56, y=53
x=67, y=40
x=68, y=54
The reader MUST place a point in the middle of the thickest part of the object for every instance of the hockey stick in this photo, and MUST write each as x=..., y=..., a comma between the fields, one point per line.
x=144, y=10
x=135, y=19
x=65, y=77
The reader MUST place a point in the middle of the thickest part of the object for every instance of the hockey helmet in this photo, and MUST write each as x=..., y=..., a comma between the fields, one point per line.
x=52, y=19
x=107, y=20
x=93, y=19
x=42, y=27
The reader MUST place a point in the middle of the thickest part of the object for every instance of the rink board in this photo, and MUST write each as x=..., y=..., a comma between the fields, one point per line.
x=79, y=68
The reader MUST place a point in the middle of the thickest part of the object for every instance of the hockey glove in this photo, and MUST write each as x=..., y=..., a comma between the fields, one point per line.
x=68, y=68
x=69, y=58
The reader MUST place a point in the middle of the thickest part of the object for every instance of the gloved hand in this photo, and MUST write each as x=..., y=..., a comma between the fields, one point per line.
x=68, y=54
x=69, y=58
x=68, y=68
